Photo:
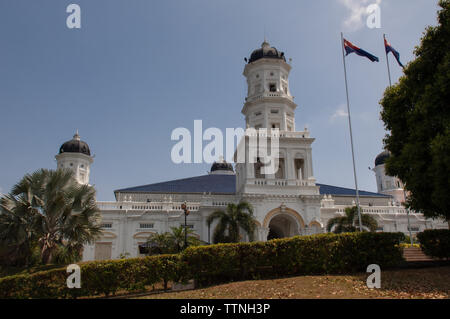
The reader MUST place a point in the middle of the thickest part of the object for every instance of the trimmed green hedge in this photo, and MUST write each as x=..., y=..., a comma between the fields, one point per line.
x=98, y=277
x=435, y=242
x=318, y=254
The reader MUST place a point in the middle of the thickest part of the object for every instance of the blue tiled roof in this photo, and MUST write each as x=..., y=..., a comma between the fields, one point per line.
x=213, y=183
x=334, y=190
x=224, y=184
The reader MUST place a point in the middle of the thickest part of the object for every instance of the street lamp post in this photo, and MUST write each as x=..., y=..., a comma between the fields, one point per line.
x=407, y=215
x=209, y=233
x=186, y=212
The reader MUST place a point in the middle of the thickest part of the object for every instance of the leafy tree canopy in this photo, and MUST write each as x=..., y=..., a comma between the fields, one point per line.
x=416, y=113
x=47, y=214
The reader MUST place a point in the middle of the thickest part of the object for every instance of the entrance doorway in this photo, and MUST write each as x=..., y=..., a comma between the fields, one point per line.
x=281, y=226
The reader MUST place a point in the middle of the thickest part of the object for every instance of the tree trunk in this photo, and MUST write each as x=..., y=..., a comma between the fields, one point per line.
x=46, y=256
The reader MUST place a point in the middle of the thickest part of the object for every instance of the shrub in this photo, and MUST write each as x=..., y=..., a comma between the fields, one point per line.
x=318, y=254
x=98, y=277
x=435, y=242
x=407, y=240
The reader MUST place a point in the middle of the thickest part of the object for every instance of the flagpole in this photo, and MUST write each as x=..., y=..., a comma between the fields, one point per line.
x=351, y=135
x=404, y=192
x=387, y=60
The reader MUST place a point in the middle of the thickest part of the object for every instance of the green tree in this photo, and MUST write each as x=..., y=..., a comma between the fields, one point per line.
x=178, y=236
x=350, y=222
x=50, y=210
x=160, y=244
x=17, y=237
x=231, y=221
x=171, y=242
x=416, y=114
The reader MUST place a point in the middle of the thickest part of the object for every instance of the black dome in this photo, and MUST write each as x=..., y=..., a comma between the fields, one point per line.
x=221, y=166
x=75, y=145
x=266, y=51
x=381, y=158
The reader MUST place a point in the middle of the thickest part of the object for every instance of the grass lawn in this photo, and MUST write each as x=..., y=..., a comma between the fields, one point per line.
x=403, y=283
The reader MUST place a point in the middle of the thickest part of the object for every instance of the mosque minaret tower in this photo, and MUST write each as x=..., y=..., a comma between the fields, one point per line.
x=270, y=105
x=287, y=201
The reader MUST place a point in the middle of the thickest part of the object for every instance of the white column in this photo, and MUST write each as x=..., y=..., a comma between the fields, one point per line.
x=266, y=119
x=263, y=233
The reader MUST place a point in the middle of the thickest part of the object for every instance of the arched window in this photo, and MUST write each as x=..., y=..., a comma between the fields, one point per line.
x=258, y=166
x=280, y=172
x=299, y=165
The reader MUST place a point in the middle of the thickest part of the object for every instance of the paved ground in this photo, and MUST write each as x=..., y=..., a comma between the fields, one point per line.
x=405, y=283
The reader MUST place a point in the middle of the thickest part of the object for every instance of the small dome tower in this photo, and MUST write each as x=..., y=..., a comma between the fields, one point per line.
x=222, y=167
x=386, y=184
x=76, y=156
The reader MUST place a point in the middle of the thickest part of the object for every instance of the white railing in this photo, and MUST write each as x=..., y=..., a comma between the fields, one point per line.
x=280, y=182
x=377, y=209
x=268, y=94
x=147, y=206
x=271, y=133
x=220, y=203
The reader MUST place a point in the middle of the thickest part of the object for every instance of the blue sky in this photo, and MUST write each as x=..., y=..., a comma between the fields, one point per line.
x=138, y=69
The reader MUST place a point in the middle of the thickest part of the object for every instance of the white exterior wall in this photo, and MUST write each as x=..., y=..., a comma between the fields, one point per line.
x=390, y=218
x=126, y=217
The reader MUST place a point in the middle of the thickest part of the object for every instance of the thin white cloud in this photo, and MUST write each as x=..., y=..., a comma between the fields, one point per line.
x=339, y=113
x=358, y=11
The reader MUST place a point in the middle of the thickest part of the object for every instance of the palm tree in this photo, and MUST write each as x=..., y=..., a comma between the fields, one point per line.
x=231, y=220
x=347, y=223
x=50, y=209
x=17, y=237
x=178, y=236
x=159, y=244
x=171, y=243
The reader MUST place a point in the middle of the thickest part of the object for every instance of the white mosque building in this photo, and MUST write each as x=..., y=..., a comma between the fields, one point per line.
x=287, y=203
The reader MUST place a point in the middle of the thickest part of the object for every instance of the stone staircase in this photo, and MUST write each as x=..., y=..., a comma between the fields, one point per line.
x=414, y=254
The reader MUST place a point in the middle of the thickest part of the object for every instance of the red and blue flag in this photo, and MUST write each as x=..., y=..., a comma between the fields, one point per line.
x=351, y=48
x=389, y=48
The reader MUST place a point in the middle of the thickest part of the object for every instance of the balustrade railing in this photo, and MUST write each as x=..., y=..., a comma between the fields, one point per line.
x=280, y=182
x=147, y=206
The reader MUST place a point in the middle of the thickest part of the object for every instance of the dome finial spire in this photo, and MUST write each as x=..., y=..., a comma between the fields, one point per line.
x=76, y=136
x=265, y=39
x=265, y=44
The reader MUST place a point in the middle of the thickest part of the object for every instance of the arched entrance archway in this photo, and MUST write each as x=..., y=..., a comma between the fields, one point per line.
x=283, y=222
x=314, y=228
